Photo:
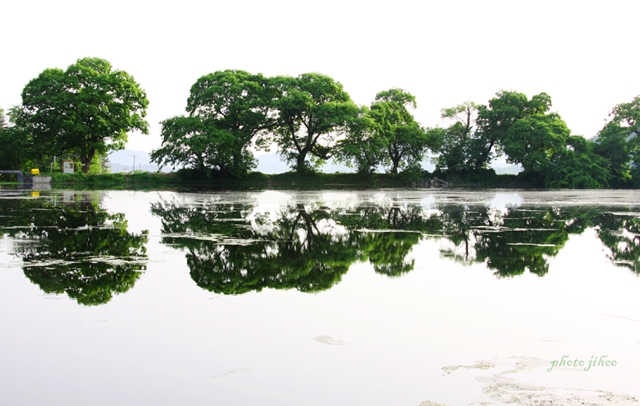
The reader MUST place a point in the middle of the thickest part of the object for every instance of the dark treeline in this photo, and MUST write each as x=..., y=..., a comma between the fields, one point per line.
x=87, y=111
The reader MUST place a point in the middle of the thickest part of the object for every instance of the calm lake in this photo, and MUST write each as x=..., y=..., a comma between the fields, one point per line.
x=332, y=297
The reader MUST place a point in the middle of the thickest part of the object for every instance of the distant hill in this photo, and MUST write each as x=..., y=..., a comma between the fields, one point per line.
x=271, y=164
x=122, y=161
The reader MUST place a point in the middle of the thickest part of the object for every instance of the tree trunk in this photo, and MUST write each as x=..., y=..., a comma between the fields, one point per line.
x=86, y=159
x=300, y=166
x=394, y=169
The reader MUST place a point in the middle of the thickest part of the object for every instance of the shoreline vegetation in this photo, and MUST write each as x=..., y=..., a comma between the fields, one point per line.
x=311, y=181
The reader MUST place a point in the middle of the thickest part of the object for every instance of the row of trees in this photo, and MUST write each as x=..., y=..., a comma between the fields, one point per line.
x=529, y=134
x=88, y=110
x=310, y=118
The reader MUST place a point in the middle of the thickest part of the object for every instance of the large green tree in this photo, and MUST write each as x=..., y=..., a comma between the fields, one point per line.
x=16, y=152
x=464, y=147
x=228, y=111
x=313, y=110
x=527, y=131
x=87, y=109
x=200, y=144
x=405, y=142
x=362, y=146
x=577, y=167
x=619, y=142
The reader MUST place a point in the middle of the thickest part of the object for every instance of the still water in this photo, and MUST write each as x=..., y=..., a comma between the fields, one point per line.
x=385, y=297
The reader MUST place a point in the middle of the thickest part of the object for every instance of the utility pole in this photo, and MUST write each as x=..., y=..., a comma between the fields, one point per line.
x=134, y=163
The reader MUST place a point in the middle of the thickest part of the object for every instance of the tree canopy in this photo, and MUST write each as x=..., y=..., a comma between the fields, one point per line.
x=404, y=140
x=227, y=112
x=619, y=142
x=464, y=148
x=527, y=132
x=361, y=148
x=313, y=110
x=86, y=109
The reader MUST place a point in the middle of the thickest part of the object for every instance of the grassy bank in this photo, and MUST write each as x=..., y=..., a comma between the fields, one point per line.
x=290, y=180
x=283, y=180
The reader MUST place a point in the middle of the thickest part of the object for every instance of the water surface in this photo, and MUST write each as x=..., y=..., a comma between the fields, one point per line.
x=386, y=297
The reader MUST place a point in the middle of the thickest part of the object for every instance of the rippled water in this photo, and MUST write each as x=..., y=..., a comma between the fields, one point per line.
x=386, y=297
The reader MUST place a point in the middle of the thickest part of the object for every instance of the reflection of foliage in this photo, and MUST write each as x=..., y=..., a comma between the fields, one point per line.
x=291, y=252
x=529, y=237
x=77, y=248
x=387, y=252
x=233, y=250
x=303, y=248
x=457, y=223
x=524, y=238
x=621, y=234
x=510, y=242
x=388, y=233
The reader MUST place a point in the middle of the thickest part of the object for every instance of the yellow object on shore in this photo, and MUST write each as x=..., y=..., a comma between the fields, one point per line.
x=35, y=171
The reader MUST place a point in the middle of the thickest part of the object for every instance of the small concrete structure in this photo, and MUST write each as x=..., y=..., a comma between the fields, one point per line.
x=67, y=167
x=19, y=175
x=22, y=178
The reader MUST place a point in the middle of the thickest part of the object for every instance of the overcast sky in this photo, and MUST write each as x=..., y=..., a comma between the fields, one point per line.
x=585, y=55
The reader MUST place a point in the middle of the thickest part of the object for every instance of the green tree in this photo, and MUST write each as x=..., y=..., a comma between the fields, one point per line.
x=577, y=167
x=17, y=151
x=527, y=132
x=86, y=109
x=313, y=110
x=200, y=144
x=239, y=103
x=404, y=140
x=228, y=110
x=618, y=141
x=362, y=147
x=464, y=147
x=14, y=152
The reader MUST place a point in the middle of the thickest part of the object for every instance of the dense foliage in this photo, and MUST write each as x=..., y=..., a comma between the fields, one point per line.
x=87, y=109
x=527, y=133
x=619, y=144
x=312, y=111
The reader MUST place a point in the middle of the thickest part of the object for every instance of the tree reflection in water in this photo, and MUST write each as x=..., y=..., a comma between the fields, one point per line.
x=232, y=248
x=619, y=231
x=74, y=248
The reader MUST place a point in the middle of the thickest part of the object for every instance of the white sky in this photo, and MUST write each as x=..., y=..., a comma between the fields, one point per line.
x=585, y=54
